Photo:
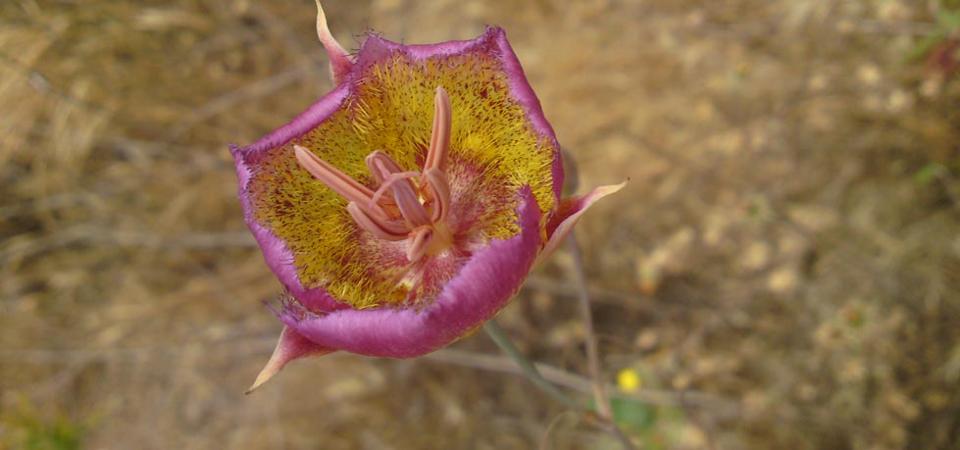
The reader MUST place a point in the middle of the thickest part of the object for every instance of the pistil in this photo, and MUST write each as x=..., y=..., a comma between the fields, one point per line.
x=420, y=202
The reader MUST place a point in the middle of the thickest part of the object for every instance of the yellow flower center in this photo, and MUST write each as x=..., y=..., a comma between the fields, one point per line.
x=416, y=212
x=493, y=152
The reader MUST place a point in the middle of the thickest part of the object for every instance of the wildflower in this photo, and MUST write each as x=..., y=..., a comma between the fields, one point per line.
x=628, y=380
x=405, y=207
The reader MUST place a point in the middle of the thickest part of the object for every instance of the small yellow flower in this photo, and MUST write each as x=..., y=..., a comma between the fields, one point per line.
x=628, y=380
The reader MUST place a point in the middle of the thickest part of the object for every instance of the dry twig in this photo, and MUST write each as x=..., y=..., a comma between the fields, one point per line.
x=593, y=356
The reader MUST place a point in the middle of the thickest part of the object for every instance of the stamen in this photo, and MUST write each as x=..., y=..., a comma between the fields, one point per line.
x=390, y=181
x=382, y=230
x=338, y=181
x=441, y=193
x=377, y=214
x=440, y=134
x=410, y=207
x=373, y=161
x=388, y=172
x=419, y=243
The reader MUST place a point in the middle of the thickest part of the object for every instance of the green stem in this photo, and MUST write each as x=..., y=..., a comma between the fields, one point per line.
x=503, y=341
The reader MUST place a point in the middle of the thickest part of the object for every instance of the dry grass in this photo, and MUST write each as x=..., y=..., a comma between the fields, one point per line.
x=788, y=246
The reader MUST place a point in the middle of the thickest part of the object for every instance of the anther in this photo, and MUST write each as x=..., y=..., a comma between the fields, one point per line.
x=419, y=242
x=382, y=230
x=338, y=181
x=409, y=204
x=378, y=158
x=440, y=134
x=388, y=182
x=440, y=189
x=404, y=194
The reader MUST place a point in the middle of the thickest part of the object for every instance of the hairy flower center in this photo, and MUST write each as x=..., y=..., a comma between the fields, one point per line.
x=407, y=205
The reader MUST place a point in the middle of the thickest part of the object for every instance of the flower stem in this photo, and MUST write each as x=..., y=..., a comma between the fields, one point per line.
x=529, y=370
x=593, y=355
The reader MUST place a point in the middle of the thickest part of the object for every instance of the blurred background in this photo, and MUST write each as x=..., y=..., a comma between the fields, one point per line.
x=782, y=272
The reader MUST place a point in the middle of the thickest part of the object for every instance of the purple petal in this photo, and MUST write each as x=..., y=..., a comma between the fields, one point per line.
x=484, y=285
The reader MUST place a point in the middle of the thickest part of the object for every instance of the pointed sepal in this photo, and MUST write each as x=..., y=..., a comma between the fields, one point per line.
x=291, y=346
x=340, y=61
x=567, y=215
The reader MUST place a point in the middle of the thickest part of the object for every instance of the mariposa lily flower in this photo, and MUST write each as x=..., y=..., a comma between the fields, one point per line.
x=406, y=207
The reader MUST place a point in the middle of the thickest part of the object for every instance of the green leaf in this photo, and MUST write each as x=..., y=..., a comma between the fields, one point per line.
x=928, y=173
x=633, y=414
